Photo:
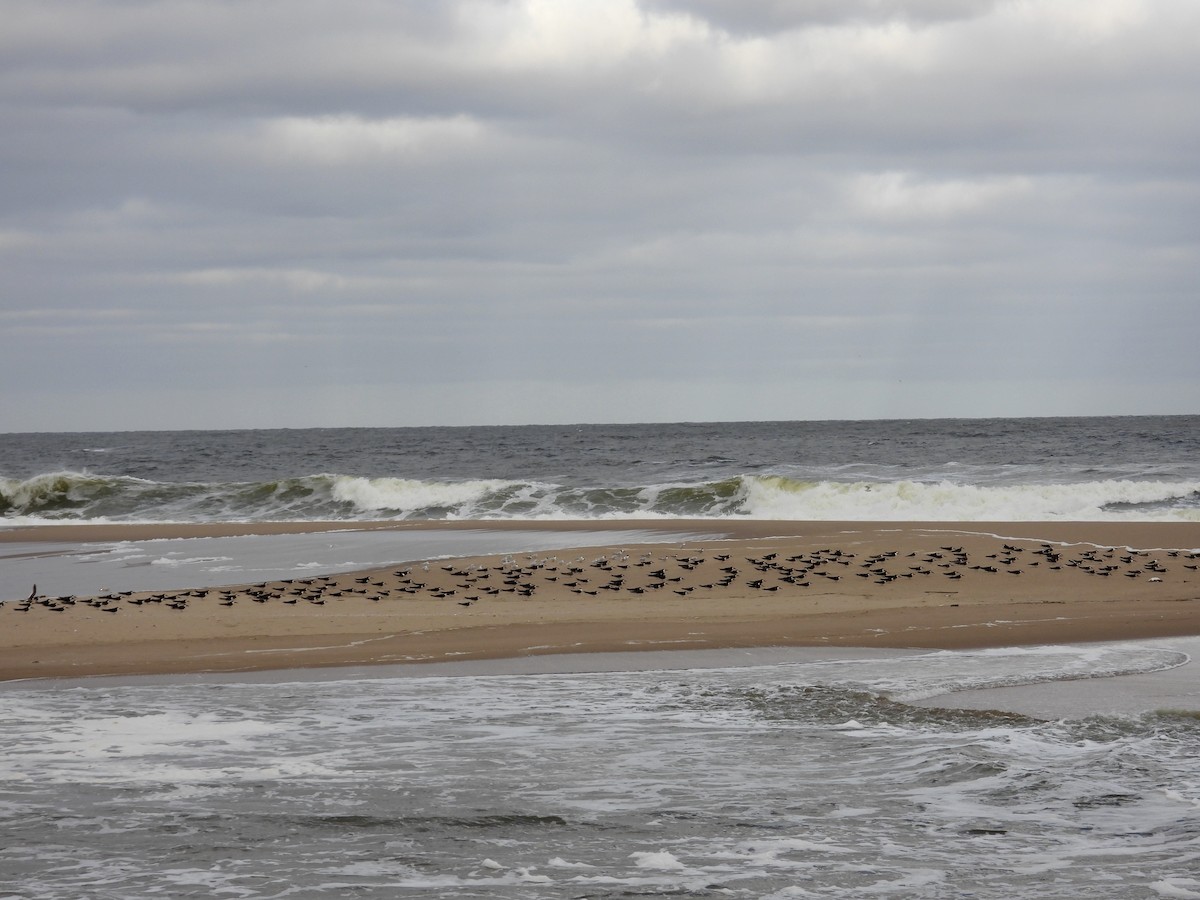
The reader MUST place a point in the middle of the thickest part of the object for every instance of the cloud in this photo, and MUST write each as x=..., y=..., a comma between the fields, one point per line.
x=541, y=35
x=899, y=195
x=426, y=198
x=773, y=16
x=351, y=140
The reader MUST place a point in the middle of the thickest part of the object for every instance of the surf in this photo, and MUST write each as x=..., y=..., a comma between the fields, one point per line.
x=83, y=497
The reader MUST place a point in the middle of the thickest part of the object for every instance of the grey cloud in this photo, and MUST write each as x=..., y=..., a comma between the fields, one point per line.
x=428, y=196
x=782, y=15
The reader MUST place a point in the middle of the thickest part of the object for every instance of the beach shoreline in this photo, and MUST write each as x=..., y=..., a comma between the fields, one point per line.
x=945, y=585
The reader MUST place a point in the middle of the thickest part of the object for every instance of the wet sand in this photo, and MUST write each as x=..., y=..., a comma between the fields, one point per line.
x=738, y=584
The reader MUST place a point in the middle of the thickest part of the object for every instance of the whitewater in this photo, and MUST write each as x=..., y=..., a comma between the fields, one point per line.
x=785, y=774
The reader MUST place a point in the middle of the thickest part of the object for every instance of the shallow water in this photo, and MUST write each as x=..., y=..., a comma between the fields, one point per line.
x=807, y=775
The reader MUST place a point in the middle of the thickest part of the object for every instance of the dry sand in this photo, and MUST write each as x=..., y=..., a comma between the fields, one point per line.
x=754, y=583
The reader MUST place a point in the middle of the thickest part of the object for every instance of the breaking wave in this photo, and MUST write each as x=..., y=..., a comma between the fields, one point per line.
x=69, y=496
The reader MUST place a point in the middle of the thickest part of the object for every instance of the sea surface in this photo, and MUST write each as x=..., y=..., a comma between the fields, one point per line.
x=815, y=774
x=1141, y=468
x=1055, y=772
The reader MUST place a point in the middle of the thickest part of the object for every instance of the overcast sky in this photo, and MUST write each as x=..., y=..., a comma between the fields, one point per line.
x=299, y=213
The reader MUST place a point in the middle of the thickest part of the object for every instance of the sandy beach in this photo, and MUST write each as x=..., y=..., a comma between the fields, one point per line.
x=741, y=584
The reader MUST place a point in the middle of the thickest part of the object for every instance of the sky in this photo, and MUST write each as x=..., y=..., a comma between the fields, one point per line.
x=291, y=213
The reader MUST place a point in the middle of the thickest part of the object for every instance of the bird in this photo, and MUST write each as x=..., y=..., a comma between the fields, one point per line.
x=33, y=594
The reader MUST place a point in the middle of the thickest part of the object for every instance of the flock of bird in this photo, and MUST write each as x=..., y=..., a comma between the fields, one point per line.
x=616, y=573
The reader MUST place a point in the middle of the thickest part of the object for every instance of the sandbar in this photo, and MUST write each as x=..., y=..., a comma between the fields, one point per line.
x=731, y=584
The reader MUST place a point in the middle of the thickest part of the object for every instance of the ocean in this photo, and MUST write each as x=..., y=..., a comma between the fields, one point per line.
x=1139, y=468
x=813, y=774
x=1056, y=772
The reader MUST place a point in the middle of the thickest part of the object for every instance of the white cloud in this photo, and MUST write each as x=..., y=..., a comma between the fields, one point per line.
x=902, y=195
x=349, y=139
x=545, y=35
x=1088, y=20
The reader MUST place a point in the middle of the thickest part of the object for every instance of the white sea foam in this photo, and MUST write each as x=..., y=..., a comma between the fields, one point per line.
x=937, y=673
x=774, y=497
x=660, y=859
x=720, y=780
x=1181, y=886
x=559, y=863
x=80, y=496
x=404, y=494
x=188, y=560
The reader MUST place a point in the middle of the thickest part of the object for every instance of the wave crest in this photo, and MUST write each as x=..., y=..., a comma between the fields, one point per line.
x=779, y=497
x=83, y=497
x=410, y=495
x=61, y=494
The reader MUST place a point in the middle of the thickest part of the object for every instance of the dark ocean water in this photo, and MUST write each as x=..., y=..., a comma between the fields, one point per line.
x=994, y=469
